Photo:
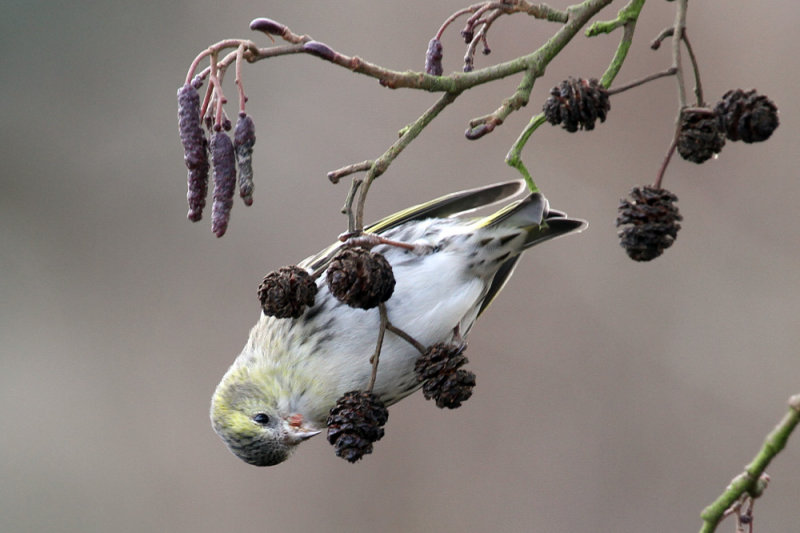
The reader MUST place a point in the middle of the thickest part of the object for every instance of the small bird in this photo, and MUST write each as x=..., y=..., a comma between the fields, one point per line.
x=280, y=389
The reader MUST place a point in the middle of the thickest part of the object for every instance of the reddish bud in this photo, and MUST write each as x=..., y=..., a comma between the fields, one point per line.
x=479, y=131
x=469, y=64
x=320, y=50
x=268, y=26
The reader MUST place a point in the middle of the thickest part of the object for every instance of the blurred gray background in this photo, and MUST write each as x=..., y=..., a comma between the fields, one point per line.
x=611, y=395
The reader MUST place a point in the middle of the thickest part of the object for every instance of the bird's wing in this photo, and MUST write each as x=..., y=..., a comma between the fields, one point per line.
x=456, y=203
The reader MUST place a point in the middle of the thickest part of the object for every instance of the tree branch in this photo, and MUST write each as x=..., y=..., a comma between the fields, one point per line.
x=380, y=165
x=748, y=481
x=627, y=18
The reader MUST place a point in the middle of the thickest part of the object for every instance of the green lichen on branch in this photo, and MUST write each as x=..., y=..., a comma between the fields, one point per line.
x=626, y=15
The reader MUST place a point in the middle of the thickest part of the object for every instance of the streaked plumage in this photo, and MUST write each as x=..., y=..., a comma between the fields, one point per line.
x=290, y=373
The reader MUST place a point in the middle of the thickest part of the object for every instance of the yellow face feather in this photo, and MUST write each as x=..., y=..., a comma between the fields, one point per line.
x=248, y=410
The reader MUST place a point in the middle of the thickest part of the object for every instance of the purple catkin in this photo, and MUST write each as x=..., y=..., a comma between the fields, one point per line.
x=433, y=58
x=198, y=189
x=195, y=150
x=224, y=159
x=243, y=140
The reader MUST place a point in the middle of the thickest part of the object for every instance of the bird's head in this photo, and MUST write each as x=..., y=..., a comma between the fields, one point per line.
x=254, y=415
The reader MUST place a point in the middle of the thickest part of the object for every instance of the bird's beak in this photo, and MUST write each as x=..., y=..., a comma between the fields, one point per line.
x=297, y=430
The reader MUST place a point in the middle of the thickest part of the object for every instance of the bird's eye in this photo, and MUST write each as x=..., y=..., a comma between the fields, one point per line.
x=261, y=419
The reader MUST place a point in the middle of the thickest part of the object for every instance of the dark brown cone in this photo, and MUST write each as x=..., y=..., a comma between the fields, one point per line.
x=577, y=104
x=454, y=389
x=700, y=136
x=286, y=292
x=651, y=219
x=354, y=423
x=747, y=116
x=360, y=278
x=443, y=381
x=244, y=138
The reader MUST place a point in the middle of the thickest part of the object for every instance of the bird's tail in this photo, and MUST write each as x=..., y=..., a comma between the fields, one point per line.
x=534, y=214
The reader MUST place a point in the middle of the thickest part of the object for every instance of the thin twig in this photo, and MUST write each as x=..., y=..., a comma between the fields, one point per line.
x=239, y=85
x=616, y=90
x=207, y=99
x=368, y=240
x=377, y=354
x=336, y=175
x=698, y=87
x=472, y=20
x=215, y=80
x=735, y=507
x=480, y=37
x=449, y=20
x=478, y=127
x=215, y=49
x=486, y=50
x=744, y=520
x=662, y=170
x=347, y=209
x=677, y=33
x=629, y=14
x=406, y=337
x=540, y=11
x=677, y=36
x=514, y=157
x=382, y=163
x=666, y=32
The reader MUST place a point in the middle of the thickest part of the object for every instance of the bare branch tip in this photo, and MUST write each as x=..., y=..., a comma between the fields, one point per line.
x=794, y=402
x=479, y=131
